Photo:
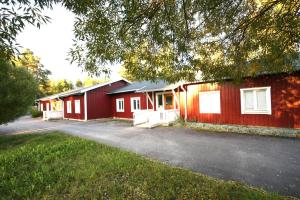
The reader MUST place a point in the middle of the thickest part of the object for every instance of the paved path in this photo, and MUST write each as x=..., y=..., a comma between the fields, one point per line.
x=267, y=162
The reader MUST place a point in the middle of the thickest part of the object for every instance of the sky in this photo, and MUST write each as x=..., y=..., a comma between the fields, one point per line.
x=52, y=42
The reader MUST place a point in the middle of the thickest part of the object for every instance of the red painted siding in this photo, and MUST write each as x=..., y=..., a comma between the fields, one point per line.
x=127, y=107
x=45, y=105
x=99, y=103
x=74, y=115
x=285, y=102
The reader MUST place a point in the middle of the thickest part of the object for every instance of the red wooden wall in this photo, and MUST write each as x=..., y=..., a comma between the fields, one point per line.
x=74, y=115
x=99, y=103
x=285, y=102
x=127, y=107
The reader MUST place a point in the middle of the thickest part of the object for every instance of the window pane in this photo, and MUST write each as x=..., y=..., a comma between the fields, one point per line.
x=77, y=106
x=160, y=100
x=261, y=99
x=249, y=104
x=169, y=100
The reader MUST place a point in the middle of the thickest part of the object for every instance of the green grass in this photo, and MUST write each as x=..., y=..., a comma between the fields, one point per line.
x=58, y=166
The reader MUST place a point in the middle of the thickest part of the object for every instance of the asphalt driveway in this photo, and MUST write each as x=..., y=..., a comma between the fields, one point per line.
x=267, y=162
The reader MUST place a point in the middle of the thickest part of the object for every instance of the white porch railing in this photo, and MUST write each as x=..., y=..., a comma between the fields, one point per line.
x=154, y=118
x=52, y=115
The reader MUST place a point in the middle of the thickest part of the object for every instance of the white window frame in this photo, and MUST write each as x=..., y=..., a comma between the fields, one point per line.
x=77, y=106
x=218, y=110
x=163, y=100
x=117, y=105
x=69, y=106
x=255, y=110
x=132, y=99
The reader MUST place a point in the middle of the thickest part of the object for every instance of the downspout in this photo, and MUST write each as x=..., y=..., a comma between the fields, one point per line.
x=85, y=106
x=185, y=103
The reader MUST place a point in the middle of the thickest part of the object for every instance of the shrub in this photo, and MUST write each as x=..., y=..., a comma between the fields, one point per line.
x=18, y=90
x=35, y=113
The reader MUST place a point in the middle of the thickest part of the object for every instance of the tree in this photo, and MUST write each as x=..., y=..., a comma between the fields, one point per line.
x=125, y=74
x=90, y=81
x=14, y=15
x=17, y=91
x=79, y=84
x=175, y=40
x=32, y=63
x=60, y=86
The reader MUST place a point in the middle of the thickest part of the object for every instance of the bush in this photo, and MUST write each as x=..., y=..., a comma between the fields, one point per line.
x=18, y=89
x=35, y=113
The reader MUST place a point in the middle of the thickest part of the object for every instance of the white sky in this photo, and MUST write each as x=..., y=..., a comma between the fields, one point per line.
x=52, y=42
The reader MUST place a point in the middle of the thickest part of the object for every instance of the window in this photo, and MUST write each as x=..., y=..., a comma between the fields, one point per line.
x=135, y=103
x=47, y=107
x=42, y=107
x=209, y=102
x=256, y=100
x=160, y=101
x=77, y=106
x=120, y=105
x=69, y=107
x=169, y=100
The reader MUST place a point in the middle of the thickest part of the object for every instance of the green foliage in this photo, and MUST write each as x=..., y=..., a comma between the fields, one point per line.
x=32, y=63
x=123, y=72
x=14, y=15
x=57, y=166
x=18, y=90
x=175, y=40
x=60, y=86
x=91, y=81
x=35, y=113
x=79, y=84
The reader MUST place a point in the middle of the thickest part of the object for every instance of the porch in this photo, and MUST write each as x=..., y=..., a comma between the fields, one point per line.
x=52, y=114
x=162, y=109
x=151, y=118
x=54, y=110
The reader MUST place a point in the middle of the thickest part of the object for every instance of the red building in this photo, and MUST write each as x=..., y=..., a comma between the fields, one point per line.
x=83, y=103
x=267, y=100
x=144, y=96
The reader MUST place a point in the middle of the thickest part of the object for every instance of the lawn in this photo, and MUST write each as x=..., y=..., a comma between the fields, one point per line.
x=58, y=166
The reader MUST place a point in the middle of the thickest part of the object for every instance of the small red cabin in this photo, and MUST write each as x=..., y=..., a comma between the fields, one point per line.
x=90, y=102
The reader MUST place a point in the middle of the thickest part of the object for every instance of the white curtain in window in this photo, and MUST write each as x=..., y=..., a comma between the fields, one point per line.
x=249, y=103
x=77, y=106
x=261, y=99
x=69, y=107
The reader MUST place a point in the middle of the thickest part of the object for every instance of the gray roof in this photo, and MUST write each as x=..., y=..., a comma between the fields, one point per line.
x=147, y=86
x=79, y=90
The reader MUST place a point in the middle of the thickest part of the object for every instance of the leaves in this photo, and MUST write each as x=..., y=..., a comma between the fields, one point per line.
x=175, y=40
x=14, y=15
x=18, y=90
x=32, y=63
